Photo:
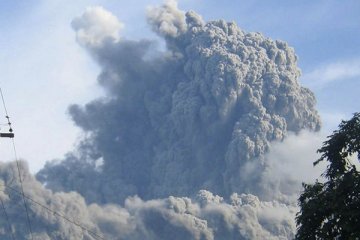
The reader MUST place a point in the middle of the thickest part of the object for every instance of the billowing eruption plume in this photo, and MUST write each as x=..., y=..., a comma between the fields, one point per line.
x=187, y=119
x=194, y=120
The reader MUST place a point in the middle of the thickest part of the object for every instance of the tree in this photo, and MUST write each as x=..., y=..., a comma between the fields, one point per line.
x=331, y=210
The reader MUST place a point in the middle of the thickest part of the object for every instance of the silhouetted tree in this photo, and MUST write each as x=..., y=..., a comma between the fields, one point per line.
x=331, y=210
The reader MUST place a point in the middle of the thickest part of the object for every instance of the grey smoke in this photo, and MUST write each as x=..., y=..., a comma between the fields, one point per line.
x=200, y=115
x=207, y=216
x=187, y=119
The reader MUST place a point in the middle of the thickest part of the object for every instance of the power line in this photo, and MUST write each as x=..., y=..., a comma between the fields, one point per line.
x=7, y=219
x=3, y=101
x=94, y=234
x=18, y=168
x=19, y=204
x=22, y=191
x=9, y=124
x=6, y=112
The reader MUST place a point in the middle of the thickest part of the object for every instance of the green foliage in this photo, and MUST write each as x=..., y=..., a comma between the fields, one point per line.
x=331, y=210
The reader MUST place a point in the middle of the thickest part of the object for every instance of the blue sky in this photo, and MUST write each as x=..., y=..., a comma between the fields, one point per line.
x=43, y=69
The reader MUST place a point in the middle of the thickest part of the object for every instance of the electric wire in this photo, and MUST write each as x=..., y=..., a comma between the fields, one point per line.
x=94, y=234
x=8, y=123
x=18, y=168
x=22, y=191
x=19, y=204
x=3, y=101
x=7, y=219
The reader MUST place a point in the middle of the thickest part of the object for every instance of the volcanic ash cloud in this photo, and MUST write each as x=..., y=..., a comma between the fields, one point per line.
x=181, y=127
x=186, y=119
x=206, y=217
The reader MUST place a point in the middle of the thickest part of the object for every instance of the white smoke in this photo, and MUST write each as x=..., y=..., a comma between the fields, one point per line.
x=204, y=114
x=96, y=25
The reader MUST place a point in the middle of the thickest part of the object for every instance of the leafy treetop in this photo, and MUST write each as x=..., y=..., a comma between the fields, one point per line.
x=331, y=210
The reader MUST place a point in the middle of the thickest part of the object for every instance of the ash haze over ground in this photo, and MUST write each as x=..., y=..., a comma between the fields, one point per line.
x=185, y=144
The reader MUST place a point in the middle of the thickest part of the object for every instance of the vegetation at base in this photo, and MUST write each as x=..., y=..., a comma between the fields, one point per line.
x=331, y=209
